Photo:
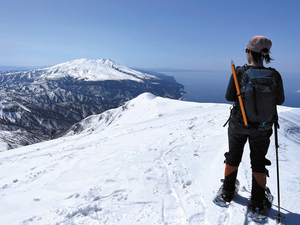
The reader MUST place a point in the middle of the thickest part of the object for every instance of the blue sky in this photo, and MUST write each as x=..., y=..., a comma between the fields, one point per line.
x=149, y=34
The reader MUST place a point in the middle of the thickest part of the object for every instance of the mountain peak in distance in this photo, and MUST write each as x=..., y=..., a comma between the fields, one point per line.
x=95, y=70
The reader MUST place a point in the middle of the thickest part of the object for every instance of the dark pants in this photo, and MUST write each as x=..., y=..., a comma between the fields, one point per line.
x=259, y=141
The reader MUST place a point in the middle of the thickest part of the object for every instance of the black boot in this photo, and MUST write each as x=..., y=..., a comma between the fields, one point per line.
x=260, y=207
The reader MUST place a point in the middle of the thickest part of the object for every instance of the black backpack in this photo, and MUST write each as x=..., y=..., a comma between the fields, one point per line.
x=258, y=90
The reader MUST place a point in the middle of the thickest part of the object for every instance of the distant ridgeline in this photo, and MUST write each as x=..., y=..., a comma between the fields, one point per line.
x=38, y=105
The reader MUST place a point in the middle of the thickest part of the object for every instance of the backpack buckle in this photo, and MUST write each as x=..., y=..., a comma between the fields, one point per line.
x=262, y=124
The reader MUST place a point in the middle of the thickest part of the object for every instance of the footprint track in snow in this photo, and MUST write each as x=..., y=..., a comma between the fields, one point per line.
x=172, y=213
x=197, y=209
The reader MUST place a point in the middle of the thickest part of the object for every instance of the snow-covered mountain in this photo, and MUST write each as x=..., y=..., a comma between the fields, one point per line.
x=38, y=105
x=151, y=161
x=95, y=70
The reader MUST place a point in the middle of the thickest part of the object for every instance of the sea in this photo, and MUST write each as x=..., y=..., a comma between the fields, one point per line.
x=210, y=86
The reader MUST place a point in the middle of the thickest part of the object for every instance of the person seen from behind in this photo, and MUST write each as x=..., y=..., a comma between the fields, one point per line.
x=261, y=112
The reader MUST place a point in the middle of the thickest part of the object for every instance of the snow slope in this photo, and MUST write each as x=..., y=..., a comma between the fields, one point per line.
x=150, y=161
x=42, y=103
x=94, y=70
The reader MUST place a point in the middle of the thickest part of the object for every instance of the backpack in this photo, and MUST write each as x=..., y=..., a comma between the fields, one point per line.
x=258, y=90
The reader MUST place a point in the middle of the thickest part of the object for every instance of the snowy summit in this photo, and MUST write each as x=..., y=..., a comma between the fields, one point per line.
x=95, y=70
x=38, y=105
x=152, y=161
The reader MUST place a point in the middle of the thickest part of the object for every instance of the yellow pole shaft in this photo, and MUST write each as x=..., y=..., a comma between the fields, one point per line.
x=239, y=93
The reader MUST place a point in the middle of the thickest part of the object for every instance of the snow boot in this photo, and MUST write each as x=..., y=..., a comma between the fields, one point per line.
x=223, y=197
x=259, y=211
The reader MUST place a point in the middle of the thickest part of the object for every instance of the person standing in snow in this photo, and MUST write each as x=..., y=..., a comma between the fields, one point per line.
x=257, y=134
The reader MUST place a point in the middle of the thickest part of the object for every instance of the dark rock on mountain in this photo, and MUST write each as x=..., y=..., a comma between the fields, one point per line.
x=38, y=105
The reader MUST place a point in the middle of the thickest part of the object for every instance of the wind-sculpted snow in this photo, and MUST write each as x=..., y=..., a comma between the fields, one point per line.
x=44, y=102
x=291, y=121
x=150, y=161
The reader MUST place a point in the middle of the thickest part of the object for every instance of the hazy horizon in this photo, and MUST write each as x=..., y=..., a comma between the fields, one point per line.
x=200, y=85
x=164, y=34
x=210, y=86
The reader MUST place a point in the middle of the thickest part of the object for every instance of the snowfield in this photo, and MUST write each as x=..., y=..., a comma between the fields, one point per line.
x=94, y=70
x=150, y=161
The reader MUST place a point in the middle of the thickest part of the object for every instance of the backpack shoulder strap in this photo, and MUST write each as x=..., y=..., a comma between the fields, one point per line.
x=243, y=71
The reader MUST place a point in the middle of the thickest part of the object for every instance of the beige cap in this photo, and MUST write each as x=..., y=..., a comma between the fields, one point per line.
x=258, y=43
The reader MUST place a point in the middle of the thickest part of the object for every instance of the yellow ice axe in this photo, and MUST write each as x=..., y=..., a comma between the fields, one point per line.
x=239, y=93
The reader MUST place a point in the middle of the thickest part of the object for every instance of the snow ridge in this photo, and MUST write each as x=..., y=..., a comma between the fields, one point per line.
x=151, y=161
